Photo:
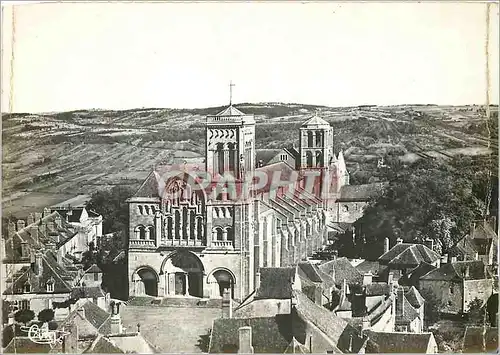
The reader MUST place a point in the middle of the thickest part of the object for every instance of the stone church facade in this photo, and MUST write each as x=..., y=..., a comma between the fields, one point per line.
x=195, y=240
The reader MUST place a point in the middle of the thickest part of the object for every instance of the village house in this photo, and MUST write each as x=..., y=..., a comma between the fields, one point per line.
x=91, y=328
x=409, y=310
x=87, y=223
x=40, y=284
x=458, y=283
x=305, y=326
x=403, y=258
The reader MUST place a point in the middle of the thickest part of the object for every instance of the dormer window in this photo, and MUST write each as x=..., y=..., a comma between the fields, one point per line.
x=50, y=285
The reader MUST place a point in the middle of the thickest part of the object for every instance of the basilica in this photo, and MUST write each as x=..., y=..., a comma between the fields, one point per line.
x=197, y=243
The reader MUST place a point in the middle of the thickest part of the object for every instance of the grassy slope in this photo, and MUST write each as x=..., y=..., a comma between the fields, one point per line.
x=49, y=157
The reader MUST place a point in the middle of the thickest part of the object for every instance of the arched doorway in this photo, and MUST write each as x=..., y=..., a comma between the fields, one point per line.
x=183, y=272
x=221, y=280
x=146, y=282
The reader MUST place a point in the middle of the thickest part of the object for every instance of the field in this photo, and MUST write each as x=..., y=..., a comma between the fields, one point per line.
x=49, y=157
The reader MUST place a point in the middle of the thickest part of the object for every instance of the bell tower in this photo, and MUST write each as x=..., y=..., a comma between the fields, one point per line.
x=316, y=143
x=230, y=141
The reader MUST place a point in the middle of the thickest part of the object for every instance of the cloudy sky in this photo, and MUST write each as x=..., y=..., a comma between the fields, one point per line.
x=114, y=56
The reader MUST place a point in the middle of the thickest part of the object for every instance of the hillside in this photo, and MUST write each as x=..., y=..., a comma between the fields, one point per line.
x=52, y=156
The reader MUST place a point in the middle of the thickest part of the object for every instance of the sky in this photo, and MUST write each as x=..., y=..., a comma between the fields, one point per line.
x=183, y=55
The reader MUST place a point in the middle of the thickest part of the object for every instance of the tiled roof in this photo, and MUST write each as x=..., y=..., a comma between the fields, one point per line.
x=57, y=236
x=377, y=289
x=265, y=155
x=310, y=271
x=315, y=121
x=368, y=266
x=52, y=272
x=269, y=334
x=473, y=340
x=132, y=343
x=102, y=345
x=414, y=275
x=343, y=270
x=397, y=342
x=408, y=254
x=483, y=230
x=335, y=328
x=414, y=297
x=276, y=282
x=149, y=187
x=293, y=152
x=72, y=215
x=465, y=248
x=458, y=271
x=87, y=292
x=409, y=313
x=230, y=111
x=364, y=192
x=285, y=170
x=96, y=316
x=93, y=269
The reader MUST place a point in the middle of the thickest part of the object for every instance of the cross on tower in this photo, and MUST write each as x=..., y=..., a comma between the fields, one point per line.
x=231, y=92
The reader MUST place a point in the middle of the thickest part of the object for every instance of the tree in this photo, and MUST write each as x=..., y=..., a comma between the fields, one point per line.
x=46, y=315
x=112, y=206
x=424, y=200
x=476, y=313
x=24, y=316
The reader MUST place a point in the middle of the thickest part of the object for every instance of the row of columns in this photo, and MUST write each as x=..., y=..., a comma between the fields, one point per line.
x=315, y=139
x=225, y=158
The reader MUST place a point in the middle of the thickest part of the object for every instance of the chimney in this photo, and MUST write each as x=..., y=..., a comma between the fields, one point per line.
x=386, y=245
x=116, y=324
x=399, y=241
x=467, y=271
x=31, y=219
x=38, y=266
x=400, y=302
x=227, y=307
x=444, y=259
x=21, y=223
x=390, y=278
x=453, y=259
x=245, y=337
x=257, y=280
x=476, y=256
x=367, y=278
